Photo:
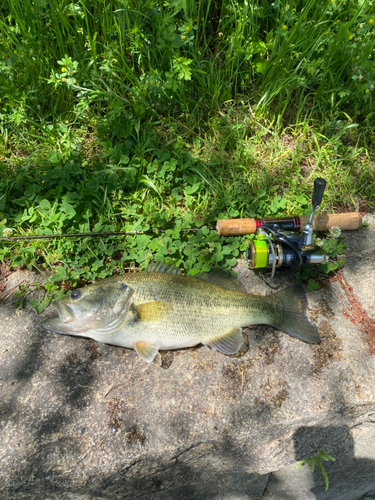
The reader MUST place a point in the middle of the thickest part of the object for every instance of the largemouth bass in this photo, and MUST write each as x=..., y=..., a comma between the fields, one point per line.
x=161, y=309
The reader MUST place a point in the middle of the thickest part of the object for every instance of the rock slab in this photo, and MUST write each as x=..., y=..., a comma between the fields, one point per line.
x=80, y=420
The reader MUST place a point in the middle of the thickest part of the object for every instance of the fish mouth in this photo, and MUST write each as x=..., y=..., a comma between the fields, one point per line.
x=60, y=323
x=66, y=314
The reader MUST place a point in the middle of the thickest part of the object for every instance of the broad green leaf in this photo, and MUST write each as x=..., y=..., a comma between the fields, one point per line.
x=45, y=204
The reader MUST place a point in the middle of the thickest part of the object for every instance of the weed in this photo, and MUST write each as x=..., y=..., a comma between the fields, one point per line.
x=333, y=247
x=317, y=460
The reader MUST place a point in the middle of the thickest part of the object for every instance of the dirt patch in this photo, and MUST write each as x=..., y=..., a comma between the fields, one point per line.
x=271, y=399
x=322, y=309
x=135, y=435
x=278, y=399
x=93, y=348
x=329, y=349
x=167, y=358
x=115, y=409
x=270, y=350
x=235, y=372
x=233, y=381
x=71, y=359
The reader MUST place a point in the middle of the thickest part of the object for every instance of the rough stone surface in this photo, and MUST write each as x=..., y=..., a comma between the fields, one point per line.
x=83, y=421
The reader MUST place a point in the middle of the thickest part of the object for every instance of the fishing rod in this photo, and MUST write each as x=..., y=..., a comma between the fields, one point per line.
x=85, y=235
x=228, y=227
x=277, y=244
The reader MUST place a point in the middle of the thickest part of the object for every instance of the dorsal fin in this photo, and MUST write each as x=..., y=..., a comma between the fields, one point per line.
x=162, y=267
x=222, y=278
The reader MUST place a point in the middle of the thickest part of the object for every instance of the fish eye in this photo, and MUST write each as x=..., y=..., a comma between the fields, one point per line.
x=75, y=294
x=123, y=287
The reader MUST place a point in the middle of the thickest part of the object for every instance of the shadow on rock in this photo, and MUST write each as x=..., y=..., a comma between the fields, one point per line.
x=349, y=477
x=202, y=472
x=206, y=471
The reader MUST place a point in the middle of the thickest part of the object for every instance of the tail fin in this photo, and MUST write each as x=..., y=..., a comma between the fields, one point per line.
x=292, y=318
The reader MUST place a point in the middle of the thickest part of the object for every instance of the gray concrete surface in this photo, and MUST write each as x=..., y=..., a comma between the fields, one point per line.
x=83, y=421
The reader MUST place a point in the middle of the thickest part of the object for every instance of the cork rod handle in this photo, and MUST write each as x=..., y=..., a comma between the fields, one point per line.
x=347, y=222
x=236, y=227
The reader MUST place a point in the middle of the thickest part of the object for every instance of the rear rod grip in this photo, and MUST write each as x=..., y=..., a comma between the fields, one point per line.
x=322, y=222
x=236, y=227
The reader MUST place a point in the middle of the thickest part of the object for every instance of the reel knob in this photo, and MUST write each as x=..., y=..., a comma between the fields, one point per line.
x=319, y=187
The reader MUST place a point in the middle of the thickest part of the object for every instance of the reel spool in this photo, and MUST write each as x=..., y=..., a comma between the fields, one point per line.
x=273, y=249
x=276, y=251
x=265, y=252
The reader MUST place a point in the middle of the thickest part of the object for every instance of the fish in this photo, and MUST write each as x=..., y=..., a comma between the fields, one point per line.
x=161, y=309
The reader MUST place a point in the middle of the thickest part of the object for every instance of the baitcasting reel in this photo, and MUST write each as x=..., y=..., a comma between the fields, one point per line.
x=275, y=247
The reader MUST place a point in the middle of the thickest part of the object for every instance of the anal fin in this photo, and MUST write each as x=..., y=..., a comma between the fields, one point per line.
x=229, y=343
x=146, y=351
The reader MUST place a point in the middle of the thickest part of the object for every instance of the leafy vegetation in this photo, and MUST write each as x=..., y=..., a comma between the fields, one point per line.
x=123, y=115
x=333, y=247
x=317, y=460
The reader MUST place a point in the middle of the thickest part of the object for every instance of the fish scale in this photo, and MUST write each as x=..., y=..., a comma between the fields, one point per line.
x=193, y=302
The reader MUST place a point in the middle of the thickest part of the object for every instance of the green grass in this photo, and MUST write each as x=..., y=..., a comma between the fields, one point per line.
x=117, y=115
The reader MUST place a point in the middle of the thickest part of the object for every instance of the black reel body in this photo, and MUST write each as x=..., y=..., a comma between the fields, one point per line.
x=281, y=251
x=276, y=248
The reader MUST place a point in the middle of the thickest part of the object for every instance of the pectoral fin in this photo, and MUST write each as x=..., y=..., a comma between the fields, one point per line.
x=146, y=351
x=229, y=343
x=153, y=311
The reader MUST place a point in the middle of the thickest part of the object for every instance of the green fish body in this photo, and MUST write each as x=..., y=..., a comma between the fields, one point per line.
x=160, y=309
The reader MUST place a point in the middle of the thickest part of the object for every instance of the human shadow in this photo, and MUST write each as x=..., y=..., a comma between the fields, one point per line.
x=349, y=477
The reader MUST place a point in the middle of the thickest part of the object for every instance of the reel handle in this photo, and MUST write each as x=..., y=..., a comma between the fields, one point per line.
x=319, y=187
